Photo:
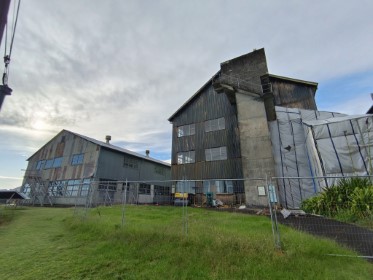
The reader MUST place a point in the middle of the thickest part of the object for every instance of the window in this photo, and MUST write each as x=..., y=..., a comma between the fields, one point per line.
x=72, y=188
x=85, y=187
x=77, y=159
x=218, y=186
x=219, y=153
x=57, y=188
x=40, y=164
x=162, y=190
x=215, y=124
x=186, y=187
x=26, y=189
x=185, y=130
x=144, y=189
x=57, y=162
x=48, y=164
x=106, y=184
x=186, y=157
x=130, y=163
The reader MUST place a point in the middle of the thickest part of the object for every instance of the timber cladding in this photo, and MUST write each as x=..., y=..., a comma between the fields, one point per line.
x=208, y=105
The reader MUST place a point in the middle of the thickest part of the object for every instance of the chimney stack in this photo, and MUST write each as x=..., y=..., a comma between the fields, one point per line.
x=108, y=138
x=147, y=152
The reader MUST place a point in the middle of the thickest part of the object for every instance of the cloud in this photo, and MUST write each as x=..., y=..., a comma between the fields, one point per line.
x=11, y=178
x=123, y=67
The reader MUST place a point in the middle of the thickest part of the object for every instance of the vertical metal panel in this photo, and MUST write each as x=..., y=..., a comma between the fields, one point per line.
x=206, y=106
x=111, y=166
x=293, y=95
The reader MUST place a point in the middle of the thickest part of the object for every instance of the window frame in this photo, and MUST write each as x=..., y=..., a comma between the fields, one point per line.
x=144, y=189
x=183, y=156
x=57, y=162
x=223, y=153
x=40, y=164
x=222, y=186
x=185, y=187
x=130, y=162
x=48, y=163
x=77, y=159
x=186, y=130
x=215, y=124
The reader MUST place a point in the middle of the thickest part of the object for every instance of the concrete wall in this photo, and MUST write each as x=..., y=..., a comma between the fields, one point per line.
x=256, y=149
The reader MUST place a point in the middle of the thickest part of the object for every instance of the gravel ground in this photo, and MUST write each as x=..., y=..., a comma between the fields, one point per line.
x=355, y=237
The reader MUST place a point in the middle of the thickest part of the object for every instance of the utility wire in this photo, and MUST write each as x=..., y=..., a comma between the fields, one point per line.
x=8, y=56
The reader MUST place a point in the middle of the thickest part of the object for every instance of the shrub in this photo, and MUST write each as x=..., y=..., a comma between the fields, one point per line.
x=362, y=202
x=351, y=197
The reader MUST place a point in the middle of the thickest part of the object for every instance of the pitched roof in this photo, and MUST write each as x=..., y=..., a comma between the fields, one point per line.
x=292, y=80
x=108, y=146
x=194, y=96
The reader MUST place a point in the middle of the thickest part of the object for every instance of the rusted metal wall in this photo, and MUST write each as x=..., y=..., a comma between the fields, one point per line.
x=206, y=106
x=287, y=92
x=293, y=95
x=65, y=145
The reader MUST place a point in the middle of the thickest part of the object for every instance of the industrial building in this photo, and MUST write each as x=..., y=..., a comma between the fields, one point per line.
x=73, y=169
x=221, y=133
x=245, y=125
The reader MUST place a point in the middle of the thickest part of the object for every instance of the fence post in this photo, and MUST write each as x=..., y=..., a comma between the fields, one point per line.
x=271, y=194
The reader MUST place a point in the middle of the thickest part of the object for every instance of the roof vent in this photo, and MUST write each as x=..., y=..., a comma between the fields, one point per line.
x=147, y=152
x=108, y=138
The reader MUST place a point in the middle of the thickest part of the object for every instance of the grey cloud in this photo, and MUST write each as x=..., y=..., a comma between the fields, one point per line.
x=125, y=66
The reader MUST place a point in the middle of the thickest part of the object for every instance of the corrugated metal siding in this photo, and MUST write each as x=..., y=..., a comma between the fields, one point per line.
x=208, y=105
x=111, y=166
x=293, y=95
x=65, y=145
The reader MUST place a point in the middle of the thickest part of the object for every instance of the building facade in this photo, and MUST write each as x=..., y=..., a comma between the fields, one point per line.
x=74, y=169
x=220, y=136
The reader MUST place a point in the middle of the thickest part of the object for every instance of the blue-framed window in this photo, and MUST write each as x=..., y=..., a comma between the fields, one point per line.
x=77, y=159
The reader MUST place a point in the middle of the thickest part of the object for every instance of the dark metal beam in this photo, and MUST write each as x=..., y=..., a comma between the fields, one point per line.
x=4, y=8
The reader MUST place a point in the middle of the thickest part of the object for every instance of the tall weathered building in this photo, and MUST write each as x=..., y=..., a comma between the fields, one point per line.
x=220, y=135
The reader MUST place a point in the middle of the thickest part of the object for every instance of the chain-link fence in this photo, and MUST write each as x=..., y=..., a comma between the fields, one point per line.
x=343, y=213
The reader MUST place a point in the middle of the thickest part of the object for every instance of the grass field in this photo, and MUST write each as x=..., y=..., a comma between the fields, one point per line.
x=55, y=243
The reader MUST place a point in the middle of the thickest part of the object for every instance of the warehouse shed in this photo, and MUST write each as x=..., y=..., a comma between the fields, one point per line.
x=72, y=168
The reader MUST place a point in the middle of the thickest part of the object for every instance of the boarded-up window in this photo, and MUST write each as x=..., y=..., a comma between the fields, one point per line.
x=215, y=124
x=186, y=157
x=185, y=130
x=219, y=153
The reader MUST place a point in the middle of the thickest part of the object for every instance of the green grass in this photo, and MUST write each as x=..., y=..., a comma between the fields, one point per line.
x=53, y=243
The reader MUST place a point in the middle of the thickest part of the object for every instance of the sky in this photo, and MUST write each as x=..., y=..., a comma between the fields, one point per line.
x=122, y=68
